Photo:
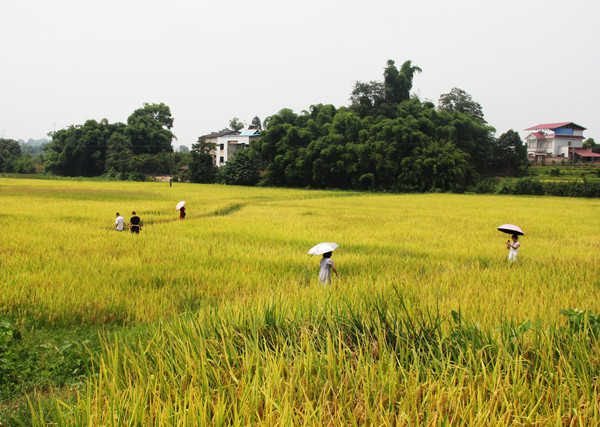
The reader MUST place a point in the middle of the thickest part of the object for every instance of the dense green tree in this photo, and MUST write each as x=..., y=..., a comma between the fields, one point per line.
x=437, y=165
x=149, y=129
x=459, y=100
x=510, y=154
x=590, y=143
x=10, y=153
x=398, y=84
x=94, y=148
x=367, y=97
x=80, y=150
x=25, y=164
x=119, y=153
x=325, y=147
x=151, y=164
x=236, y=124
x=256, y=123
x=381, y=98
x=241, y=169
x=201, y=165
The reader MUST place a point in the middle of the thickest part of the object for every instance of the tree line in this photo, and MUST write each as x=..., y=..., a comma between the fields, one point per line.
x=386, y=139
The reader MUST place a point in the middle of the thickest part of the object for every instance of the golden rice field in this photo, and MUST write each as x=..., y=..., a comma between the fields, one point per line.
x=220, y=319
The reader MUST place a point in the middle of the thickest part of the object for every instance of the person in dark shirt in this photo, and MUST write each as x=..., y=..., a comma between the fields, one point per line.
x=135, y=223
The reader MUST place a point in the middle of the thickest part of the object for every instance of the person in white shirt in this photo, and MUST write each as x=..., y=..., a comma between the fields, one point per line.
x=120, y=222
x=514, y=248
x=326, y=266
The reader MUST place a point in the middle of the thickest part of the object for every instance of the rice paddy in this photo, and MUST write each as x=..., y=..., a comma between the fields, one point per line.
x=220, y=319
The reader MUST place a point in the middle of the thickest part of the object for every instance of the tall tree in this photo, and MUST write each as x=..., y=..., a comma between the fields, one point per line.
x=241, y=168
x=398, y=84
x=367, y=97
x=256, y=123
x=439, y=165
x=201, y=166
x=459, y=100
x=381, y=98
x=235, y=124
x=80, y=150
x=510, y=154
x=10, y=152
x=119, y=153
x=590, y=143
x=149, y=129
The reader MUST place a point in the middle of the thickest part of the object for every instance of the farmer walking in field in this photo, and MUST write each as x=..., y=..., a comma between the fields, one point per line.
x=181, y=208
x=326, y=264
x=135, y=223
x=120, y=222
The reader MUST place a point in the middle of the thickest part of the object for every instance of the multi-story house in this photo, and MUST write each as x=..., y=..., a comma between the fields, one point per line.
x=230, y=143
x=558, y=140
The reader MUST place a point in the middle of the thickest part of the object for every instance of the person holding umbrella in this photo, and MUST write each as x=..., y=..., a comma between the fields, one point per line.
x=181, y=208
x=326, y=264
x=514, y=248
x=515, y=245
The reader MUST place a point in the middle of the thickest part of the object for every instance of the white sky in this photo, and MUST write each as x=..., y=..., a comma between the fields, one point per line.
x=65, y=61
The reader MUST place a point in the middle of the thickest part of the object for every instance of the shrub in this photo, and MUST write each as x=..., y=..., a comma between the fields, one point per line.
x=528, y=186
x=486, y=187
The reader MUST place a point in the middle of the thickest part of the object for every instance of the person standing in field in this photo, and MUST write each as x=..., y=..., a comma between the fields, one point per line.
x=182, y=213
x=326, y=266
x=135, y=223
x=514, y=248
x=120, y=222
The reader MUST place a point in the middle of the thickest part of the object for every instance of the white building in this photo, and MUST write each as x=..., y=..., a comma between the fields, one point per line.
x=230, y=143
x=556, y=140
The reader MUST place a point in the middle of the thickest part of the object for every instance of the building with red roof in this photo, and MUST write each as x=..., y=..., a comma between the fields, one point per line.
x=563, y=139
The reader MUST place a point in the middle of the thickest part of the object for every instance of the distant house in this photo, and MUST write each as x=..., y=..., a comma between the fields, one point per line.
x=558, y=140
x=230, y=143
x=213, y=137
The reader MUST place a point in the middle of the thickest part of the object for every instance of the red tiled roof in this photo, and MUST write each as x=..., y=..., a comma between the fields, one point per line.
x=585, y=153
x=539, y=135
x=554, y=126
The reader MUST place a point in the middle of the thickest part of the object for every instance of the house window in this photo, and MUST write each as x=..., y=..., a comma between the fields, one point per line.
x=222, y=146
x=569, y=143
x=221, y=159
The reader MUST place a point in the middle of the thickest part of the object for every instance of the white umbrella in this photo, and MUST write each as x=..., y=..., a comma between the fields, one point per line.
x=322, y=248
x=180, y=205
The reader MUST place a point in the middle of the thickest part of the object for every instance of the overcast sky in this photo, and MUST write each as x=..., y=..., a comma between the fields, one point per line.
x=63, y=62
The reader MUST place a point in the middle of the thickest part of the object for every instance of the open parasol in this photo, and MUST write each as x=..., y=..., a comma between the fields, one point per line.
x=511, y=229
x=322, y=248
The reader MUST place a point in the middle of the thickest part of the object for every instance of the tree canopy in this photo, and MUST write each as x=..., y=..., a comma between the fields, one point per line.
x=10, y=152
x=201, y=166
x=459, y=100
x=95, y=147
x=385, y=141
